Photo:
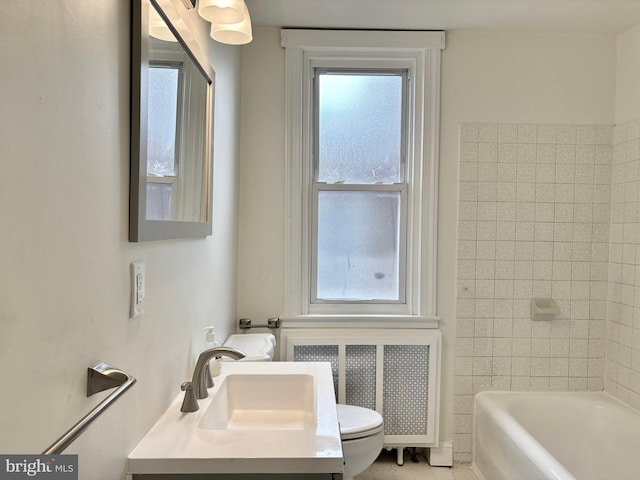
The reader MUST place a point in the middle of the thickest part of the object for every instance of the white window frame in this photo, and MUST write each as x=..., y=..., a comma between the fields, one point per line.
x=419, y=53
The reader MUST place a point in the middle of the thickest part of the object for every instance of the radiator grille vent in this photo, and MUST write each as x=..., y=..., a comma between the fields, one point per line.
x=360, y=372
x=319, y=353
x=395, y=375
x=406, y=392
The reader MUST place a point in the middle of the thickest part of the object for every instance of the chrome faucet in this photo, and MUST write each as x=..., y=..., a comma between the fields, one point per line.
x=197, y=387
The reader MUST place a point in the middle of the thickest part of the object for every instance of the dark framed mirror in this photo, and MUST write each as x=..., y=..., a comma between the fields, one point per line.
x=172, y=93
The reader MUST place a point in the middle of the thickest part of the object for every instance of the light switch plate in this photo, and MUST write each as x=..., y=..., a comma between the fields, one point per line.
x=137, y=289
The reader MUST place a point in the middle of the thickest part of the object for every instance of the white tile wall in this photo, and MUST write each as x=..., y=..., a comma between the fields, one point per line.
x=623, y=322
x=534, y=216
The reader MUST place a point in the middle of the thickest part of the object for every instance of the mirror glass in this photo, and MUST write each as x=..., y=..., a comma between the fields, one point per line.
x=171, y=155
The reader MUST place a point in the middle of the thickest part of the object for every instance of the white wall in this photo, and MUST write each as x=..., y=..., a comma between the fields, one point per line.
x=628, y=76
x=487, y=77
x=64, y=254
x=262, y=153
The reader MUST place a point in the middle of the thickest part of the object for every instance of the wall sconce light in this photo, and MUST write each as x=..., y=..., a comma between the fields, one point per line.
x=230, y=21
x=222, y=11
x=233, y=33
x=158, y=28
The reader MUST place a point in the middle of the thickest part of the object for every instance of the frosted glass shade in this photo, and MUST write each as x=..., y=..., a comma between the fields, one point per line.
x=233, y=33
x=222, y=11
x=158, y=28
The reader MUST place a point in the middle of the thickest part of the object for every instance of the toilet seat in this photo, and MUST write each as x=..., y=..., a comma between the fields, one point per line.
x=358, y=422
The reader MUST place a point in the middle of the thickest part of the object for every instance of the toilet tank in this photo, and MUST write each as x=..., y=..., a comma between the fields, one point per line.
x=259, y=347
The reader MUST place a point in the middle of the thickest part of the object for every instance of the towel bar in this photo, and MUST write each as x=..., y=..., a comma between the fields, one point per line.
x=100, y=376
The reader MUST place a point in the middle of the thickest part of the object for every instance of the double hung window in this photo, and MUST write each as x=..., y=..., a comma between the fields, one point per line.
x=361, y=169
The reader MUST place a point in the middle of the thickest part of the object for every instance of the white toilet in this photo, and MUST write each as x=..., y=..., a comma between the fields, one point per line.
x=361, y=429
x=259, y=347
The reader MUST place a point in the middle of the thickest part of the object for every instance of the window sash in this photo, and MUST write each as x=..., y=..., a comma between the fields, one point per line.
x=400, y=188
x=401, y=72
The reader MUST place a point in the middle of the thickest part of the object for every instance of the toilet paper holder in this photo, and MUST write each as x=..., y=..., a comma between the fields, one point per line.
x=245, y=324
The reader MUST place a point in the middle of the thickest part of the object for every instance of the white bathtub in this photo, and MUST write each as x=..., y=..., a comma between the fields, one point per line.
x=561, y=436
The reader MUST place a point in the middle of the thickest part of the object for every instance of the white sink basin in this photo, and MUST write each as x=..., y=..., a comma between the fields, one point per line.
x=262, y=402
x=259, y=418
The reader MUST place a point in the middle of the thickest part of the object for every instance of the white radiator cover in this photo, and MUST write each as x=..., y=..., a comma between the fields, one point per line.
x=395, y=372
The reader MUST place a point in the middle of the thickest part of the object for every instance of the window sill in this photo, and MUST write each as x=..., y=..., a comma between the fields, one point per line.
x=358, y=321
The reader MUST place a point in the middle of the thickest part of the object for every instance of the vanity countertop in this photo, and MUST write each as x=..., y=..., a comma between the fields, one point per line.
x=182, y=442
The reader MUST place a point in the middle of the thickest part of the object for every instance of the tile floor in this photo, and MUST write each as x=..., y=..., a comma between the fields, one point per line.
x=386, y=468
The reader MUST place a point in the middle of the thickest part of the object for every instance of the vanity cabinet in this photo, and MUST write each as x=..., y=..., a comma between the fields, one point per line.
x=261, y=420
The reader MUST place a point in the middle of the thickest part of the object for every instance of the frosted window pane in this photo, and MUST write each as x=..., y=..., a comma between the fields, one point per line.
x=162, y=118
x=358, y=253
x=360, y=128
x=158, y=201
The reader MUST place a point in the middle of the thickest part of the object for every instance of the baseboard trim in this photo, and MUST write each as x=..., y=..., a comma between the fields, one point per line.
x=441, y=456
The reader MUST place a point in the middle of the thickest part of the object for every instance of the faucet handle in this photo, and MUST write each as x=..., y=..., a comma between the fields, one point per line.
x=189, y=404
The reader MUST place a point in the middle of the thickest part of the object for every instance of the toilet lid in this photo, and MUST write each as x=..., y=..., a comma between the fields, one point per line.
x=358, y=421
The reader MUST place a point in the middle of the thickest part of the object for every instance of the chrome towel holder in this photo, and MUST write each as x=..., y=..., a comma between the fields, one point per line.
x=100, y=376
